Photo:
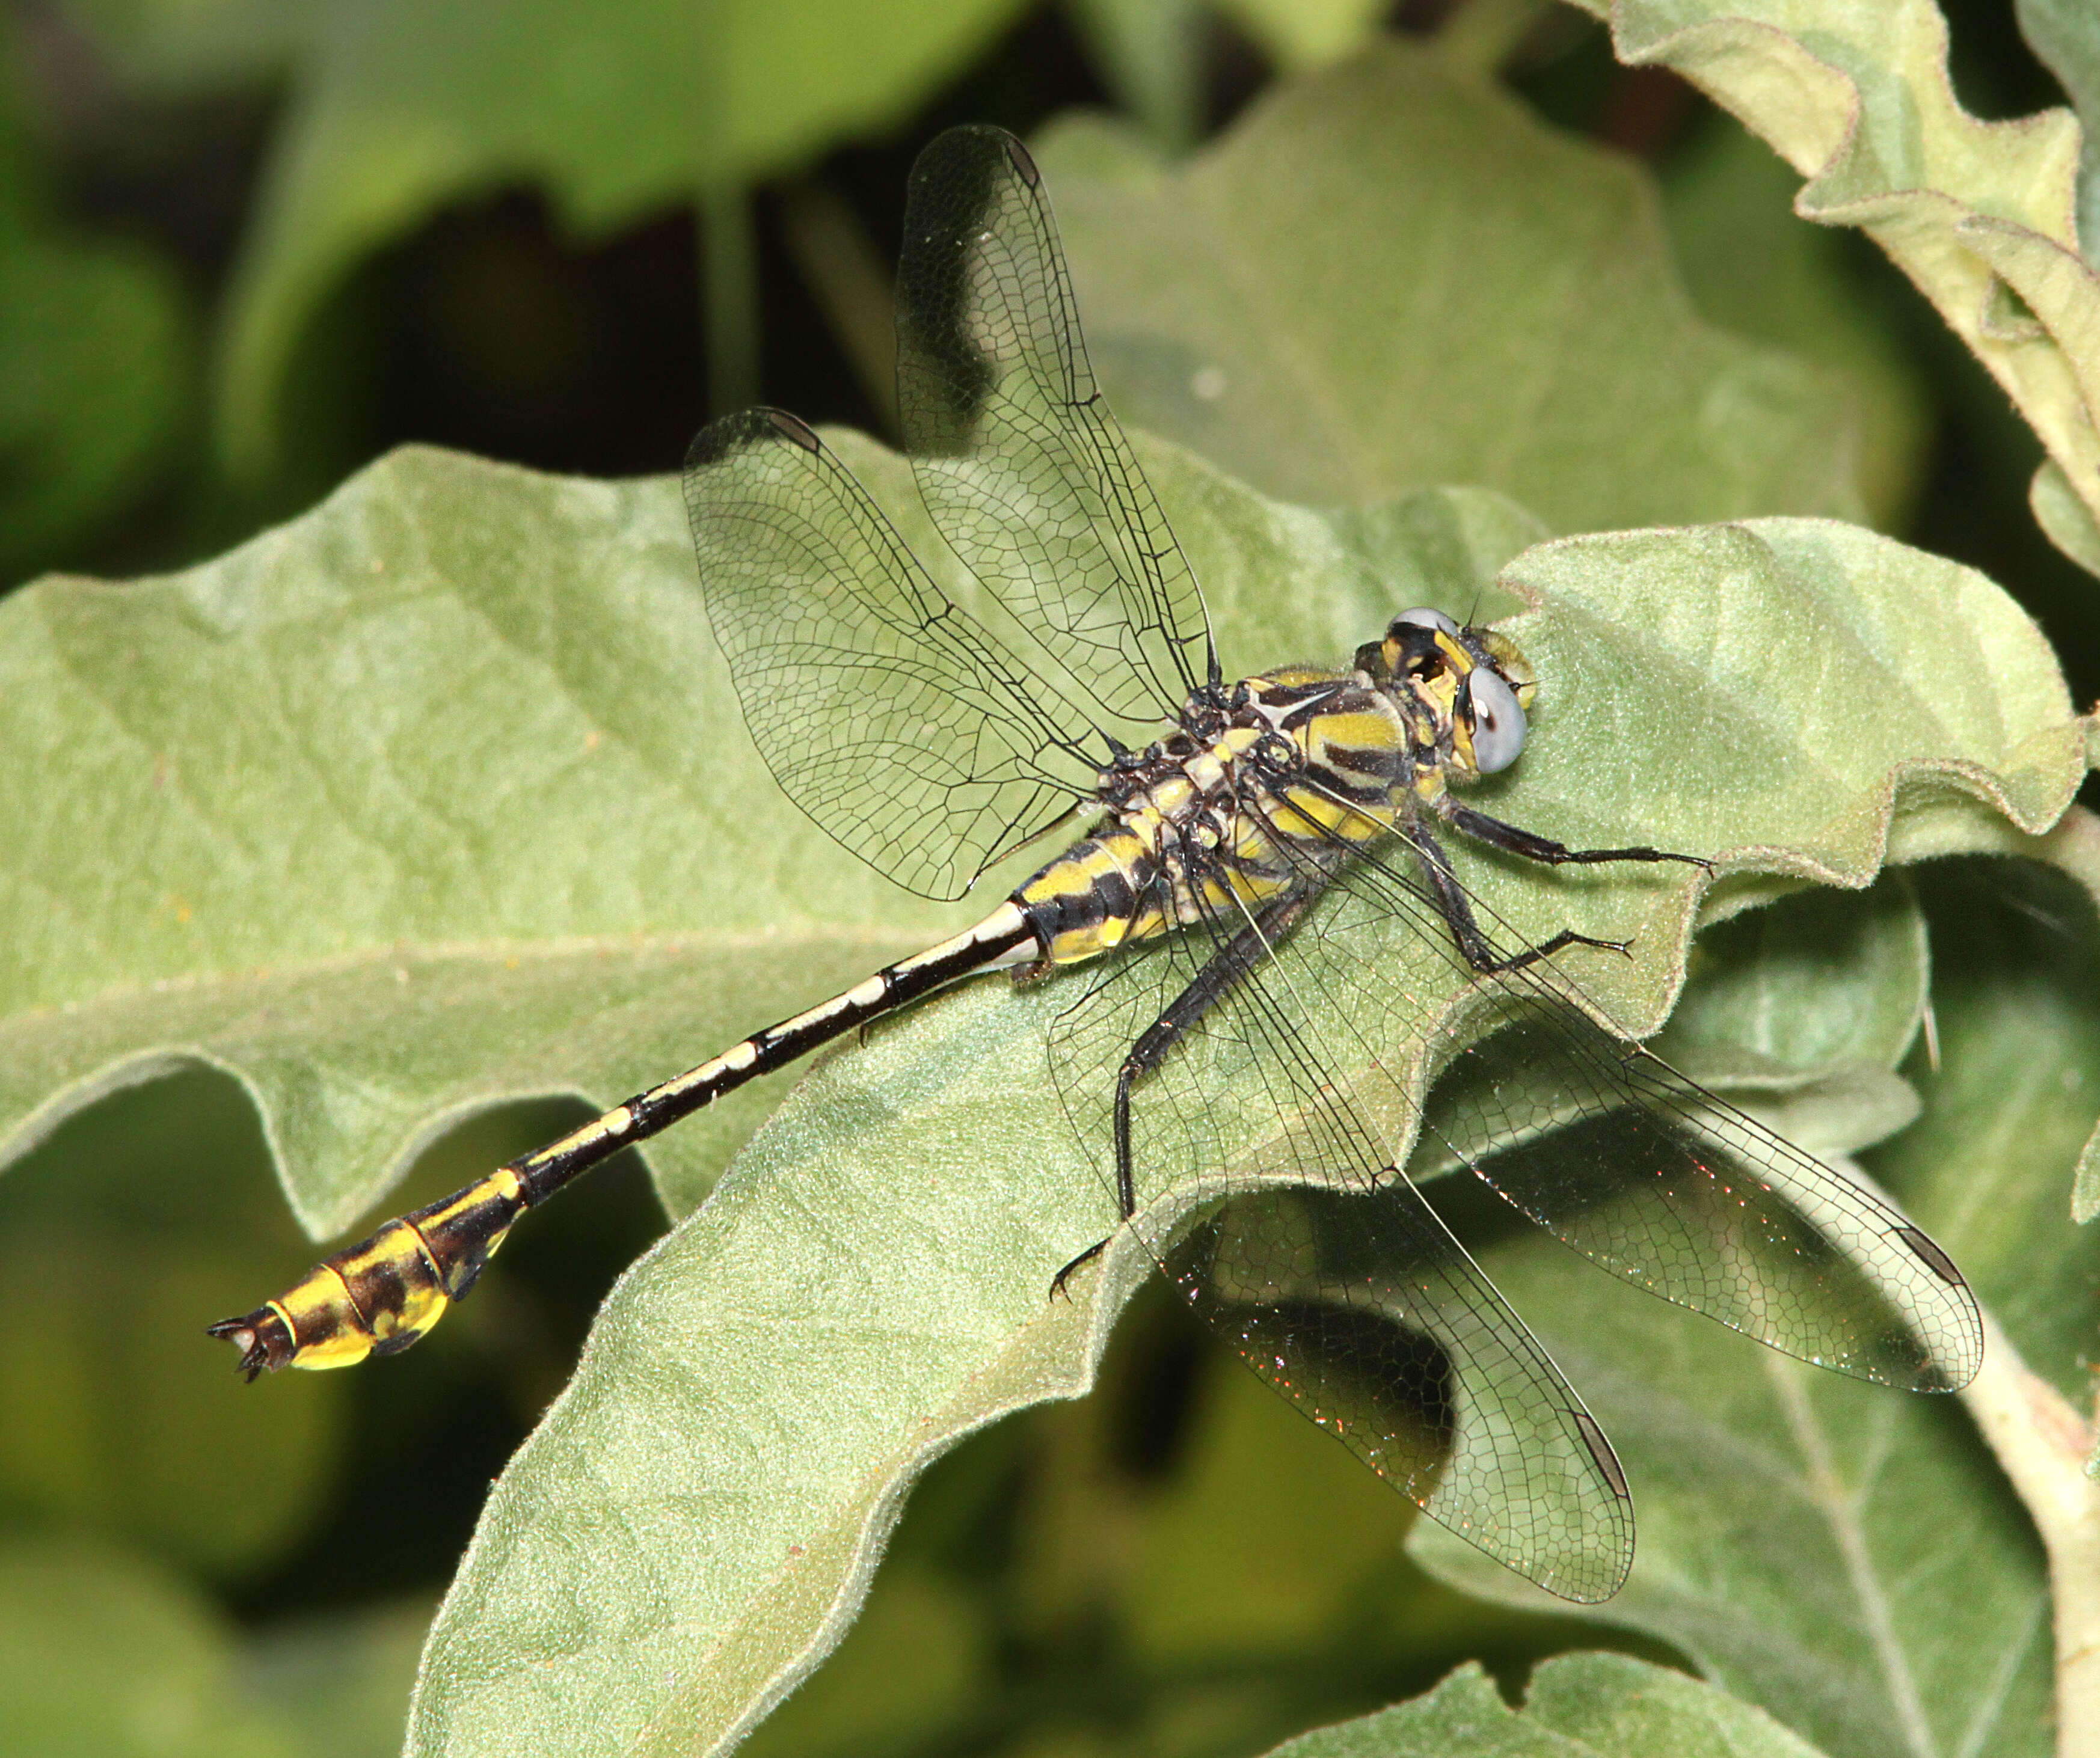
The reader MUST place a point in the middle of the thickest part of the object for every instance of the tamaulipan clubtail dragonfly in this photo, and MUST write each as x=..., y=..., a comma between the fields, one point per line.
x=1251, y=849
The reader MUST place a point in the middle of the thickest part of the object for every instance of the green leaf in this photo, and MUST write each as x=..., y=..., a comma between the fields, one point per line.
x=95, y=362
x=1610, y=1705
x=1821, y=982
x=1753, y=267
x=1982, y=216
x=1841, y=1553
x=2016, y=991
x=2065, y=520
x=1150, y=54
x=1848, y=1558
x=401, y=107
x=1299, y=34
x=2066, y=35
x=1798, y=1012
x=868, y=1283
x=102, y=1654
x=488, y=826
x=1391, y=275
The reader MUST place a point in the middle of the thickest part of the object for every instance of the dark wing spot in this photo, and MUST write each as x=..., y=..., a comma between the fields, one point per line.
x=794, y=428
x=1927, y=1251
x=1601, y=1454
x=1023, y=162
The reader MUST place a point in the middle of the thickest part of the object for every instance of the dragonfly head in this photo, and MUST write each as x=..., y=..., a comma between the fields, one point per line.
x=1475, y=681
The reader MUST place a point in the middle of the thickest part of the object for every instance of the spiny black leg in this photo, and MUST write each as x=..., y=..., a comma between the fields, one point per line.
x=1457, y=909
x=1532, y=846
x=1057, y=1282
x=1212, y=984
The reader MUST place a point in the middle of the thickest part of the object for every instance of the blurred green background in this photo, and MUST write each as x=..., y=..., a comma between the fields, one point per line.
x=248, y=246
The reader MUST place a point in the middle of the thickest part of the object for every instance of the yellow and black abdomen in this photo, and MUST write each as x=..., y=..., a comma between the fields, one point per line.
x=1095, y=897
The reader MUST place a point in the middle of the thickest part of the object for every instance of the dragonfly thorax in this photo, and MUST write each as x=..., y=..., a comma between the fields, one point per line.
x=1259, y=791
x=1265, y=787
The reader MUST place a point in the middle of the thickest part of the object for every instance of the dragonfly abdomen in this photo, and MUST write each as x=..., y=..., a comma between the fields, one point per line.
x=384, y=1293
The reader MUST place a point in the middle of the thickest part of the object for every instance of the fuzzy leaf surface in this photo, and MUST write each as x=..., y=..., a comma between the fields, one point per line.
x=697, y=1518
x=1576, y=1705
x=1982, y=216
x=1390, y=274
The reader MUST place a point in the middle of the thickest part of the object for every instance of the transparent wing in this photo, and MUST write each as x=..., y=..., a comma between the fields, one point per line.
x=1018, y=458
x=1329, y=1272
x=889, y=715
x=1648, y=1174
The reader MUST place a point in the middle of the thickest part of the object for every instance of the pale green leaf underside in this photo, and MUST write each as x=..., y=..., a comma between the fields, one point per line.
x=433, y=797
x=2066, y=35
x=1392, y=274
x=1848, y=1558
x=1983, y=216
x=1834, y=1551
x=485, y=822
x=1575, y=1705
x=697, y=1518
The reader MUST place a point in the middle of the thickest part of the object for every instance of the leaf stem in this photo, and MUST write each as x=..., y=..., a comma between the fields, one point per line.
x=1482, y=34
x=729, y=296
x=849, y=280
x=2042, y=1444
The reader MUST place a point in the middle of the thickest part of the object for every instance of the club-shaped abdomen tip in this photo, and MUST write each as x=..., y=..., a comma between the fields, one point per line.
x=263, y=1338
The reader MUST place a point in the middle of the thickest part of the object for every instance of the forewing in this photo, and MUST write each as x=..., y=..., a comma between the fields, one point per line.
x=888, y=713
x=1018, y=458
x=1663, y=1183
x=1329, y=1272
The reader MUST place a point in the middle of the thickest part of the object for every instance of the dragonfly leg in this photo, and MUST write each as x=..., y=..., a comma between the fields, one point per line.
x=1456, y=908
x=1057, y=1282
x=1211, y=985
x=1534, y=847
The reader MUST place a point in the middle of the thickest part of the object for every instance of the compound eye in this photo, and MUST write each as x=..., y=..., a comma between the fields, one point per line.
x=1422, y=617
x=1498, y=720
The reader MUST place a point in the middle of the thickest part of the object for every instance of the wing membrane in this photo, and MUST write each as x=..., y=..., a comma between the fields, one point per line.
x=1660, y=1182
x=888, y=713
x=1018, y=457
x=1332, y=1276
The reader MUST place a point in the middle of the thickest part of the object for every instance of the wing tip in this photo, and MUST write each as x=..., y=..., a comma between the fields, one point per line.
x=792, y=428
x=1022, y=158
x=729, y=434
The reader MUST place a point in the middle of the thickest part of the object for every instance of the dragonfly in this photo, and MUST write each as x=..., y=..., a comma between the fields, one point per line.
x=1260, y=909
